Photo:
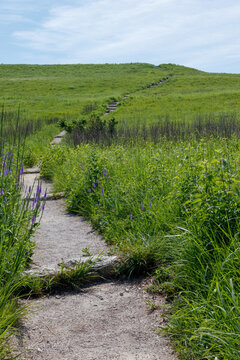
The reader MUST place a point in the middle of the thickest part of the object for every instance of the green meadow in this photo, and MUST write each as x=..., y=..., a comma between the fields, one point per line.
x=159, y=178
x=59, y=91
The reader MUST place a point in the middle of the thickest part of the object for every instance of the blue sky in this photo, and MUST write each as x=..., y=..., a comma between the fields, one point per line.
x=203, y=34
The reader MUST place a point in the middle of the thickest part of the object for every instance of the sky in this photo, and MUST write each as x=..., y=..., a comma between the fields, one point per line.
x=203, y=34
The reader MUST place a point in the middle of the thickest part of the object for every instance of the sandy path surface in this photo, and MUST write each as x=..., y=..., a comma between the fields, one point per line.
x=63, y=236
x=107, y=321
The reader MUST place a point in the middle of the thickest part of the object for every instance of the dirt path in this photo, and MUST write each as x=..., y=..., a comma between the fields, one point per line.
x=105, y=321
x=63, y=236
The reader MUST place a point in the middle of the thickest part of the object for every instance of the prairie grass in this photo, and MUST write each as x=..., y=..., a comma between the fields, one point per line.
x=18, y=220
x=160, y=180
x=108, y=132
x=172, y=206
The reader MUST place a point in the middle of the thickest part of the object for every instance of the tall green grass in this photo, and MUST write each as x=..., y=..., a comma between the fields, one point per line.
x=32, y=136
x=19, y=217
x=107, y=131
x=171, y=204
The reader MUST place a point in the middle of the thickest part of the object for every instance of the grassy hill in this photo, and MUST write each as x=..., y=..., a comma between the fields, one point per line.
x=166, y=195
x=54, y=92
x=65, y=90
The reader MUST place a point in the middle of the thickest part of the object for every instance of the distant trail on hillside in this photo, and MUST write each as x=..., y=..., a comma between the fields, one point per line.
x=113, y=106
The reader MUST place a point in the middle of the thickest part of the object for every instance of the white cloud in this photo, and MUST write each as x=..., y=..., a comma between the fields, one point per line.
x=187, y=31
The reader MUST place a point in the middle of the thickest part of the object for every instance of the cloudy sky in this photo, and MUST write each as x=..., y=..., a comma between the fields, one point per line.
x=199, y=33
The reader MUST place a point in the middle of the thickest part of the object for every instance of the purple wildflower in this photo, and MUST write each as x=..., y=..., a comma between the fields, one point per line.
x=104, y=174
x=93, y=185
x=29, y=189
x=6, y=171
x=89, y=190
x=43, y=207
x=113, y=210
x=1, y=192
x=107, y=171
x=102, y=190
x=33, y=219
x=109, y=177
x=142, y=207
x=97, y=181
x=4, y=164
x=39, y=189
x=131, y=216
x=21, y=170
x=150, y=204
x=45, y=195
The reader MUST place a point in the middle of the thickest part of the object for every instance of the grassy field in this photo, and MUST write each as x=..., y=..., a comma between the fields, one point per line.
x=161, y=181
x=68, y=91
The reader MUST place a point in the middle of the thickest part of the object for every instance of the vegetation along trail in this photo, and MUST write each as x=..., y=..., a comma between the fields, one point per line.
x=104, y=319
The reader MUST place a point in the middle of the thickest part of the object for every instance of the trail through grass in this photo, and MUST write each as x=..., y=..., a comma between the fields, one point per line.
x=159, y=178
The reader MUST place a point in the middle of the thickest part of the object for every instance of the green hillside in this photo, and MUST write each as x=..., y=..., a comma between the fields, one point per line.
x=64, y=90
x=186, y=94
